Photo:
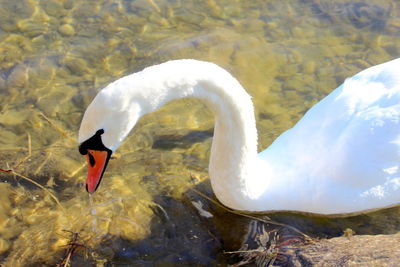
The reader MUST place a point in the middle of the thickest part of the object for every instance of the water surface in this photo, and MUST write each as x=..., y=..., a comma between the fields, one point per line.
x=56, y=55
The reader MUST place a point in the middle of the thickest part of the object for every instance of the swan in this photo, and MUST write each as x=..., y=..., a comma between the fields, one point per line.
x=342, y=157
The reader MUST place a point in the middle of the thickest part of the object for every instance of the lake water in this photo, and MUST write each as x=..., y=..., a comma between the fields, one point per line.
x=56, y=55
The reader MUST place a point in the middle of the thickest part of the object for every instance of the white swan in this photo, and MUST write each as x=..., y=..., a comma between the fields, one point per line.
x=343, y=156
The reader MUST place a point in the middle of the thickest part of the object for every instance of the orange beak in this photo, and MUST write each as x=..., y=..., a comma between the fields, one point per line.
x=97, y=163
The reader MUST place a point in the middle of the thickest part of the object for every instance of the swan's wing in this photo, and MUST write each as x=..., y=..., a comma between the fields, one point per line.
x=350, y=140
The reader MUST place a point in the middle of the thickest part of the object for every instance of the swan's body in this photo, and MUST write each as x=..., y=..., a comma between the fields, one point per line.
x=343, y=156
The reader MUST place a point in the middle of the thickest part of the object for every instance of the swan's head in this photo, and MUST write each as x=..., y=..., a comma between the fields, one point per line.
x=105, y=124
x=97, y=155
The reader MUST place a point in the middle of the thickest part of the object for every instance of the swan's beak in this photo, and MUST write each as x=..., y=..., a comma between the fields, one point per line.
x=97, y=163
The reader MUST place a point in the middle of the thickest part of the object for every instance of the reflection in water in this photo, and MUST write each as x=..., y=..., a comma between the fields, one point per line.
x=55, y=56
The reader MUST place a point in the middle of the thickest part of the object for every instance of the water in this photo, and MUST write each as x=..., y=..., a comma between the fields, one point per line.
x=55, y=56
x=93, y=213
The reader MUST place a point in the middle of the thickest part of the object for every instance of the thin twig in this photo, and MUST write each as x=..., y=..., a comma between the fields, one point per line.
x=13, y=149
x=72, y=247
x=35, y=183
x=58, y=129
x=72, y=174
x=29, y=153
x=29, y=145
x=154, y=5
x=6, y=171
x=242, y=251
x=43, y=163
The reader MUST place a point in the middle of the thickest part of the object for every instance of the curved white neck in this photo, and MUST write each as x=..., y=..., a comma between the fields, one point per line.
x=233, y=163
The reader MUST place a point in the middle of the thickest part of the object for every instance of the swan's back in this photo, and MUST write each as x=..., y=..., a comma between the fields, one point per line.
x=347, y=147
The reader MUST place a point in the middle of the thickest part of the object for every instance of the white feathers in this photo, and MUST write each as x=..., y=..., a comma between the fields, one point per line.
x=342, y=156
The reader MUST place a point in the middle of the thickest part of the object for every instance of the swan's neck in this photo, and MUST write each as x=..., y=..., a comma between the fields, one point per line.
x=234, y=163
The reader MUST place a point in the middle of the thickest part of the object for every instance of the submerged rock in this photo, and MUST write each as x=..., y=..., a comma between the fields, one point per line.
x=66, y=30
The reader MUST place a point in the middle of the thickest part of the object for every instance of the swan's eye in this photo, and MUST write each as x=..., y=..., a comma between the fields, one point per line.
x=92, y=162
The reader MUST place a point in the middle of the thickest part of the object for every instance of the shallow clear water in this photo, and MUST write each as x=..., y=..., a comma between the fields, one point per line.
x=55, y=55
